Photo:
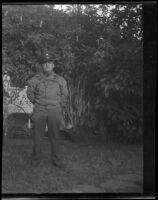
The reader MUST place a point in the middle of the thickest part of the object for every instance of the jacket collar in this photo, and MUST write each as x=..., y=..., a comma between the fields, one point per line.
x=50, y=77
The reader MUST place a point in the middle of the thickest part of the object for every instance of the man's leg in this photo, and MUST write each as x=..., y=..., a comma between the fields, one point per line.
x=54, y=122
x=39, y=120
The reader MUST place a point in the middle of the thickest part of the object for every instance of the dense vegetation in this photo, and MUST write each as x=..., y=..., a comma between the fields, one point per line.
x=98, y=49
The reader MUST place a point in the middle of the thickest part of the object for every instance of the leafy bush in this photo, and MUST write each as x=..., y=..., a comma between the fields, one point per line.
x=100, y=56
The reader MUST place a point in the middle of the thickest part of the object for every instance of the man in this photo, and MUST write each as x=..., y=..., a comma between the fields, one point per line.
x=48, y=93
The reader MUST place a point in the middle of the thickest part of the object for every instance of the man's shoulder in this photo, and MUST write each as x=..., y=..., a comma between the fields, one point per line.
x=38, y=76
x=61, y=79
x=35, y=78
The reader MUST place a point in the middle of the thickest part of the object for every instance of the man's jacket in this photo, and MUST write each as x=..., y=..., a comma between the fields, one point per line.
x=47, y=92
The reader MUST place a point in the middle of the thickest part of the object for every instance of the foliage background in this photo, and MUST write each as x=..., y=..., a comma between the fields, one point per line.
x=97, y=48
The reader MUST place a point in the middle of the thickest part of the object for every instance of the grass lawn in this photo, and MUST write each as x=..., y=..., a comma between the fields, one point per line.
x=91, y=166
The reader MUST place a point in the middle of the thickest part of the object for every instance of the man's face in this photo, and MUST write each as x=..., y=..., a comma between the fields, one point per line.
x=48, y=67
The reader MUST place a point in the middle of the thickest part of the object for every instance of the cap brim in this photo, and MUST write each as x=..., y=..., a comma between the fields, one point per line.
x=46, y=61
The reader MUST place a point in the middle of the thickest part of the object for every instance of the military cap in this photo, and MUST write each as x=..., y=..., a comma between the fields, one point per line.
x=45, y=57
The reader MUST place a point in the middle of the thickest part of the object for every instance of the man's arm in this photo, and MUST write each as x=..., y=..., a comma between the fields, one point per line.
x=31, y=90
x=64, y=90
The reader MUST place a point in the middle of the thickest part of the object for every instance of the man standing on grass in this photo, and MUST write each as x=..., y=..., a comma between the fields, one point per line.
x=48, y=93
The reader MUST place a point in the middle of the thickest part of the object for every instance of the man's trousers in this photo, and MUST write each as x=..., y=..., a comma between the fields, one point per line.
x=52, y=118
